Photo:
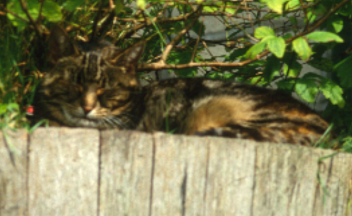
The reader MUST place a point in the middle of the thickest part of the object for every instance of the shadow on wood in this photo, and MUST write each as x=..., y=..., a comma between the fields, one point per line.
x=61, y=171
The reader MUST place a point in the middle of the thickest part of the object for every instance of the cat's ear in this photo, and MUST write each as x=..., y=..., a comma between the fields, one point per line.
x=130, y=56
x=60, y=45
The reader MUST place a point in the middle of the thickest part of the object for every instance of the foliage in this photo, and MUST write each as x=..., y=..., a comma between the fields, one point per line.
x=259, y=49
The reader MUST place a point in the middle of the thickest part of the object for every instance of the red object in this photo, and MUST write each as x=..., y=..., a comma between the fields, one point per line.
x=30, y=110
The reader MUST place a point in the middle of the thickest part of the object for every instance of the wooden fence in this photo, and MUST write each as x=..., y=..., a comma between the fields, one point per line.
x=60, y=171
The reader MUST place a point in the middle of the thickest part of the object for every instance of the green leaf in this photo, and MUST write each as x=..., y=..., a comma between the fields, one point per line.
x=199, y=25
x=301, y=47
x=287, y=85
x=15, y=7
x=323, y=64
x=287, y=36
x=13, y=106
x=176, y=57
x=293, y=20
x=272, y=68
x=311, y=17
x=141, y=4
x=324, y=37
x=255, y=50
x=275, y=5
x=236, y=54
x=307, y=88
x=263, y=31
x=343, y=69
x=333, y=92
x=276, y=45
x=119, y=5
x=293, y=69
x=72, y=5
x=52, y=11
x=3, y=109
x=292, y=5
x=210, y=9
x=335, y=24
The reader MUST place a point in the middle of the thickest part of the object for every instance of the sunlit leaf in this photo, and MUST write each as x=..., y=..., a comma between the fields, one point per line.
x=301, y=47
x=52, y=11
x=335, y=24
x=333, y=92
x=275, y=5
x=255, y=50
x=293, y=69
x=263, y=31
x=292, y=5
x=307, y=88
x=141, y=4
x=72, y=5
x=324, y=37
x=276, y=45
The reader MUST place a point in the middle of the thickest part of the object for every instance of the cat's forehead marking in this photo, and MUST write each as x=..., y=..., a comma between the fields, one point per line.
x=97, y=77
x=92, y=64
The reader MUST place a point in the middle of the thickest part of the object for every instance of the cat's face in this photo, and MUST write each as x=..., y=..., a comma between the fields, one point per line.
x=89, y=89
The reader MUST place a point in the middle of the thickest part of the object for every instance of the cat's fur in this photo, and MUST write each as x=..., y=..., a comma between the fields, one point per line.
x=99, y=88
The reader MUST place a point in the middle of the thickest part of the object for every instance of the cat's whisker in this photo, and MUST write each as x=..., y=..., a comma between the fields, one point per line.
x=118, y=122
x=105, y=122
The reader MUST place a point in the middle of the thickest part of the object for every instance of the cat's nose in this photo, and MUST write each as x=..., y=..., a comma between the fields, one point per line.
x=87, y=109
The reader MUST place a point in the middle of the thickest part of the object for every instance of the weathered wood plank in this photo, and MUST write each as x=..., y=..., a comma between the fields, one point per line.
x=160, y=174
x=13, y=175
x=179, y=181
x=334, y=187
x=63, y=172
x=126, y=171
x=285, y=180
x=230, y=179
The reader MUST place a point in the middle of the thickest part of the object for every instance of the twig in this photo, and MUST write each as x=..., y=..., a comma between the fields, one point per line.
x=15, y=15
x=178, y=37
x=305, y=15
x=40, y=10
x=319, y=22
x=106, y=22
x=36, y=27
x=197, y=42
x=111, y=4
x=161, y=65
x=211, y=54
x=95, y=23
x=130, y=32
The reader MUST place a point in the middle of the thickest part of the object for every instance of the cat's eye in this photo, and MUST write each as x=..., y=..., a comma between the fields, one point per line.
x=100, y=91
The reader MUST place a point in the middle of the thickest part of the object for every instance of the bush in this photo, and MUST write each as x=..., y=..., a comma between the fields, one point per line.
x=258, y=51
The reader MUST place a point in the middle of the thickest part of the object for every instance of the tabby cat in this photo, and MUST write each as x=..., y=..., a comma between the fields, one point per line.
x=97, y=86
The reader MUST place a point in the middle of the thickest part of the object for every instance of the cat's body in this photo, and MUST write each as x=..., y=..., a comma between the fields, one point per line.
x=100, y=89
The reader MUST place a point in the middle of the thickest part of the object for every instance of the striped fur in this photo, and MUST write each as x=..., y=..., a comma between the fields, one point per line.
x=99, y=88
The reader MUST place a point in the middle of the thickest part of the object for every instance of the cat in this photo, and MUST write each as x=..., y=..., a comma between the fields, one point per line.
x=99, y=88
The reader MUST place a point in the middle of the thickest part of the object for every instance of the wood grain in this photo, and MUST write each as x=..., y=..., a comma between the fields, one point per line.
x=179, y=181
x=126, y=170
x=91, y=172
x=63, y=172
x=13, y=175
